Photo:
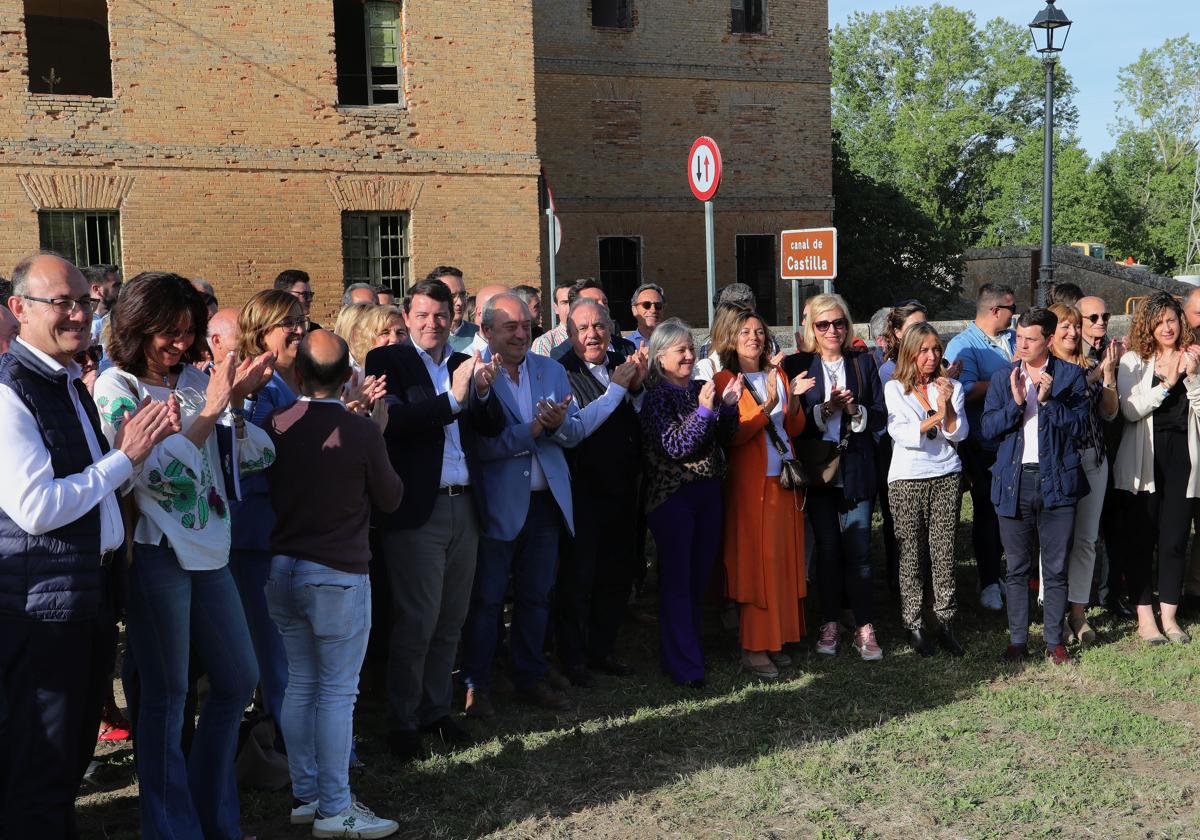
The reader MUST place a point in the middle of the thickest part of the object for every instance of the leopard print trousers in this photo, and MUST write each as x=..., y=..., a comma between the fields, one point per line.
x=925, y=517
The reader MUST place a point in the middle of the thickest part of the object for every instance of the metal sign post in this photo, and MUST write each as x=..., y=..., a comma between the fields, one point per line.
x=551, y=224
x=704, y=176
x=795, y=306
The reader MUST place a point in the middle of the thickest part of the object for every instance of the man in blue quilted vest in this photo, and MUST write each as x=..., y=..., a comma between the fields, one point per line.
x=60, y=529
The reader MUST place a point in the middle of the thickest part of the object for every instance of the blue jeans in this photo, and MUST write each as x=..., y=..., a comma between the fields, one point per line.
x=533, y=560
x=842, y=532
x=250, y=571
x=324, y=617
x=170, y=612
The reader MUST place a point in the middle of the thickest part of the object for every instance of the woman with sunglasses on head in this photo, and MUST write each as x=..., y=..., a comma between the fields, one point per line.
x=181, y=596
x=1101, y=378
x=1159, y=457
x=926, y=421
x=844, y=409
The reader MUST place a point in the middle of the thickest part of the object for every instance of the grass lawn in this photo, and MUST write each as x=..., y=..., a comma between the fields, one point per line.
x=838, y=748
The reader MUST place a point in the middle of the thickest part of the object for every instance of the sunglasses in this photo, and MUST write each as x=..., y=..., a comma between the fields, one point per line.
x=839, y=324
x=1010, y=307
x=209, y=300
x=932, y=433
x=84, y=356
x=647, y=305
x=1098, y=316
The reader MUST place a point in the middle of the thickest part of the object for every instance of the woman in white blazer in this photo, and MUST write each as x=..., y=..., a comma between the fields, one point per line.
x=926, y=420
x=1157, y=460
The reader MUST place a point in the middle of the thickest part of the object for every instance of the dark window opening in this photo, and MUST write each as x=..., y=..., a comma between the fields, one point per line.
x=620, y=274
x=748, y=15
x=756, y=268
x=375, y=249
x=367, y=45
x=613, y=14
x=85, y=237
x=68, y=47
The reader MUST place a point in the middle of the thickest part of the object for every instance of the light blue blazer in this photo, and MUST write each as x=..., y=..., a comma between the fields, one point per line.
x=505, y=460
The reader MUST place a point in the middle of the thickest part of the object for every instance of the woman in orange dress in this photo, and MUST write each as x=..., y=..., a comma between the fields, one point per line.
x=764, y=524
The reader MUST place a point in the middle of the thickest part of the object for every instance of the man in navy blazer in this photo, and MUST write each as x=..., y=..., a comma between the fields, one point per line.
x=440, y=404
x=1036, y=410
x=525, y=499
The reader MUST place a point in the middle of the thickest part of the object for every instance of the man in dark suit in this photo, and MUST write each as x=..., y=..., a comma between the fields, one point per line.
x=598, y=568
x=439, y=401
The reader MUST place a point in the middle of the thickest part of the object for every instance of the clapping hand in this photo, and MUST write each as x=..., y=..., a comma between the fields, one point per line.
x=1188, y=360
x=1045, y=383
x=143, y=429
x=550, y=414
x=1018, y=389
x=708, y=395
x=772, y=390
x=363, y=398
x=625, y=373
x=733, y=391
x=945, y=390
x=485, y=375
x=954, y=369
x=802, y=384
x=460, y=380
x=252, y=374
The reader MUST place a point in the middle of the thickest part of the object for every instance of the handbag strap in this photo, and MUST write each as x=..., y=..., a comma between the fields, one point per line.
x=772, y=432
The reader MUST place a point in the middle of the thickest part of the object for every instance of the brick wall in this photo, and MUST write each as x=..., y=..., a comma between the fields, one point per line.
x=227, y=155
x=618, y=111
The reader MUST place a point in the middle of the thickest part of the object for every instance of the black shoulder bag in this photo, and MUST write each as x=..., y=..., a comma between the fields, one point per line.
x=791, y=471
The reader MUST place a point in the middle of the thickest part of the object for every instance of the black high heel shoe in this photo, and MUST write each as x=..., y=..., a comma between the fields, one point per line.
x=947, y=640
x=920, y=642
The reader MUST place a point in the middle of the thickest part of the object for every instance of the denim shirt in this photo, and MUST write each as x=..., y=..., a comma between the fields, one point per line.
x=980, y=358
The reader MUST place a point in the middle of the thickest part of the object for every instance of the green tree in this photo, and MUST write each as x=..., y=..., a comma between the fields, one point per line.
x=928, y=102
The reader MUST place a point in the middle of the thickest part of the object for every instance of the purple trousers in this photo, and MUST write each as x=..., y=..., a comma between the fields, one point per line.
x=687, y=536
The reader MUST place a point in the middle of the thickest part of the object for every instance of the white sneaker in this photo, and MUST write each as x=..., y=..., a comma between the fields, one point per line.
x=304, y=813
x=989, y=598
x=357, y=821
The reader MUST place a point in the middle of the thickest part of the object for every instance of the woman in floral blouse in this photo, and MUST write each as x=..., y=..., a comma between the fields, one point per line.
x=684, y=425
x=182, y=597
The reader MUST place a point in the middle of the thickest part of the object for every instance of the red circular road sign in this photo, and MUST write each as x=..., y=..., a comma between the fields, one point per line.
x=704, y=168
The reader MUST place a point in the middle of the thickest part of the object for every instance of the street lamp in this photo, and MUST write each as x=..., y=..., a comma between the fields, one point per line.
x=1045, y=30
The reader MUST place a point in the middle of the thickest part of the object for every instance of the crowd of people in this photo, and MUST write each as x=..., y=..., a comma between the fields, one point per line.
x=439, y=486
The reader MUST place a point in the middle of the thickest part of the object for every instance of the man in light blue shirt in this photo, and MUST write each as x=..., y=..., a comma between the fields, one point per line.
x=648, y=304
x=984, y=347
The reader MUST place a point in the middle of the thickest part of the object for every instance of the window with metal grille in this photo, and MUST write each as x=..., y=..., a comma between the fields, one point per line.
x=748, y=16
x=620, y=274
x=67, y=45
x=367, y=46
x=85, y=237
x=375, y=249
x=613, y=14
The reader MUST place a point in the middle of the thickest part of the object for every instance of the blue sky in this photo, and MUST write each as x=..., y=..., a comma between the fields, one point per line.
x=1106, y=36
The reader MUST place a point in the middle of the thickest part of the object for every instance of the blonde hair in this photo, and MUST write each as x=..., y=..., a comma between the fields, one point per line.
x=906, y=372
x=346, y=325
x=1069, y=314
x=261, y=314
x=369, y=326
x=823, y=303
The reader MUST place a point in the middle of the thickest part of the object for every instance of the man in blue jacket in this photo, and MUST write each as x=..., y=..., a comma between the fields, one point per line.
x=1036, y=410
x=524, y=499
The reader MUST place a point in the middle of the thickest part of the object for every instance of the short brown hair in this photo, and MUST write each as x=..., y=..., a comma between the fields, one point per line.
x=1070, y=315
x=151, y=304
x=260, y=315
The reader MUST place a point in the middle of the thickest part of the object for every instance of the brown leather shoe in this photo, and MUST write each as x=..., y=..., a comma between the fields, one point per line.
x=479, y=705
x=541, y=694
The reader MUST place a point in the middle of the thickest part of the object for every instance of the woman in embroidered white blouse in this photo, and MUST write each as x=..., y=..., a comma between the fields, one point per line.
x=926, y=419
x=182, y=597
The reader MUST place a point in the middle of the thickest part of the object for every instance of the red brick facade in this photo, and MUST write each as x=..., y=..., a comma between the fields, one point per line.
x=226, y=153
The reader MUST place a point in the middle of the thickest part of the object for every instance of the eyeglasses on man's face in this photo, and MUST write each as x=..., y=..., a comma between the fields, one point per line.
x=1011, y=307
x=656, y=305
x=64, y=305
x=1098, y=316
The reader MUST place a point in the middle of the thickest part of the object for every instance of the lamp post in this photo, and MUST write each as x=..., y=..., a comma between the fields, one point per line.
x=1044, y=30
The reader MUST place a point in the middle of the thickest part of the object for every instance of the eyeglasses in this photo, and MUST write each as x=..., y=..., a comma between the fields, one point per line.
x=1098, y=316
x=64, y=305
x=931, y=433
x=84, y=356
x=292, y=324
x=209, y=300
x=838, y=324
x=1009, y=306
x=656, y=305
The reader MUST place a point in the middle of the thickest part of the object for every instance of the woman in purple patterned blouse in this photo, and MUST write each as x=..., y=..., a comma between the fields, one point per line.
x=684, y=426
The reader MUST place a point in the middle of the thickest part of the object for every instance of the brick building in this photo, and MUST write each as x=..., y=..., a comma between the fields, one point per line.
x=373, y=139
x=625, y=86
x=351, y=139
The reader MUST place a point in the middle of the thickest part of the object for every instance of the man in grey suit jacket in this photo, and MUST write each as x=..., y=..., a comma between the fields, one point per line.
x=524, y=499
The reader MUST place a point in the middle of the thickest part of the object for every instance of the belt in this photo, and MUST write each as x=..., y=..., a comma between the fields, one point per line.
x=107, y=557
x=454, y=489
x=1031, y=468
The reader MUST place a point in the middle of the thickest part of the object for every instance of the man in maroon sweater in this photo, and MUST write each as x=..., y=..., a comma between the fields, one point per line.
x=331, y=468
